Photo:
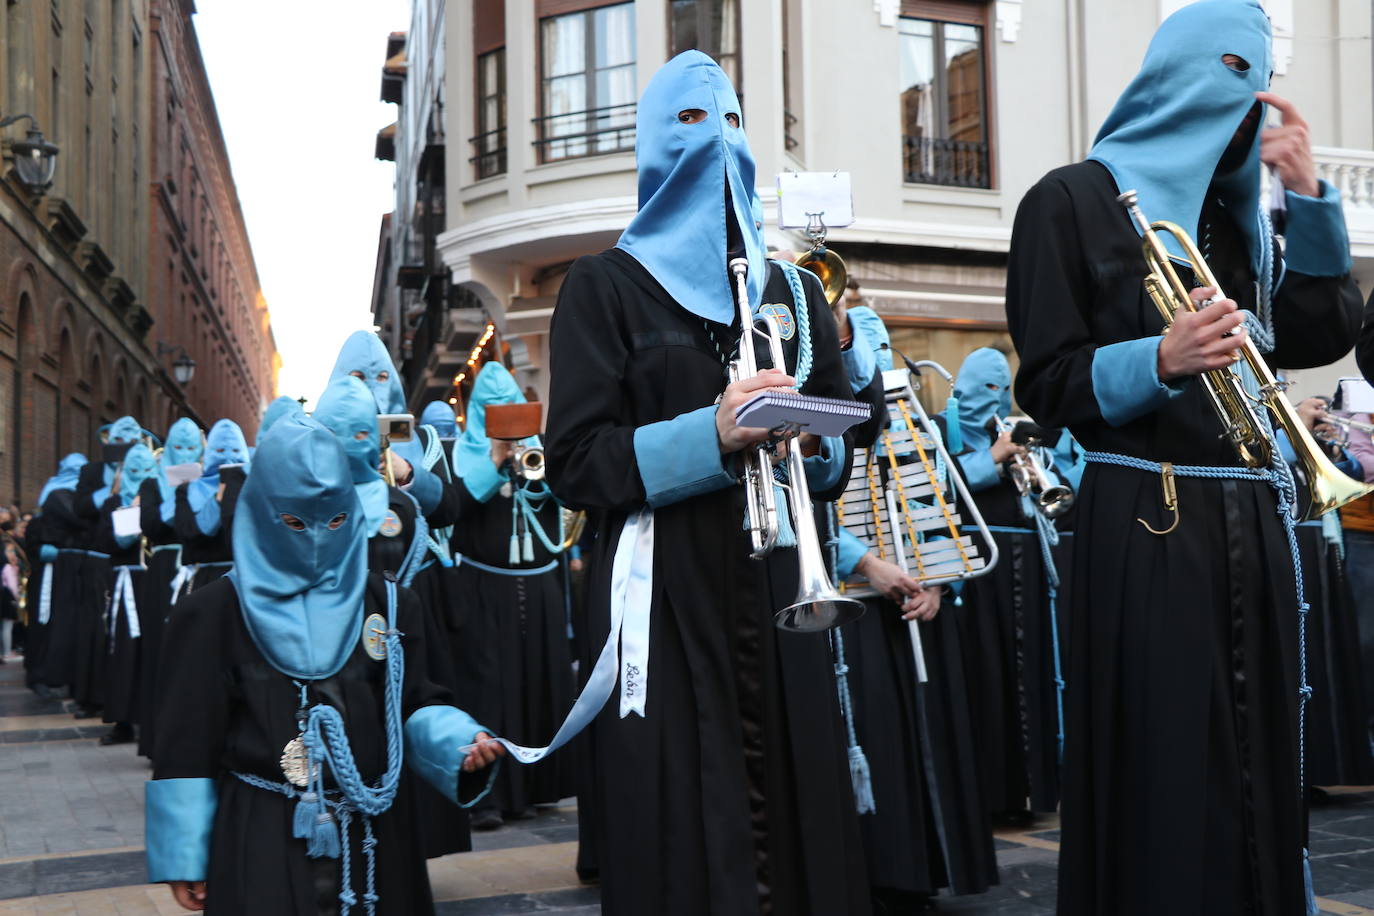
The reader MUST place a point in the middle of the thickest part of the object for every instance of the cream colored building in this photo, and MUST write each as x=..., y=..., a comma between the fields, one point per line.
x=943, y=111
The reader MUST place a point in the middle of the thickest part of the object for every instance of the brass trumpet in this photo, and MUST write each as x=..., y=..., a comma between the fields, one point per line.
x=1033, y=481
x=825, y=264
x=1327, y=487
x=818, y=605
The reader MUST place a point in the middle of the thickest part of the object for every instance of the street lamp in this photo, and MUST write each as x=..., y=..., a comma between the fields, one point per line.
x=183, y=367
x=35, y=158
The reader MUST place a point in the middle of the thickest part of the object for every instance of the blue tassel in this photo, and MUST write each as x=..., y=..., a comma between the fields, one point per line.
x=514, y=548
x=786, y=536
x=954, y=436
x=307, y=809
x=324, y=838
x=529, y=547
x=1312, y=909
x=862, y=780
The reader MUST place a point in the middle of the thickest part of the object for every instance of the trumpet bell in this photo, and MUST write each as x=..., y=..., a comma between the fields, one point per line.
x=812, y=615
x=1055, y=501
x=829, y=269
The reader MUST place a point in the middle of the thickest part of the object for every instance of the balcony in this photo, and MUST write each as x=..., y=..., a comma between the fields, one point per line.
x=1351, y=172
x=953, y=163
x=585, y=133
x=489, y=153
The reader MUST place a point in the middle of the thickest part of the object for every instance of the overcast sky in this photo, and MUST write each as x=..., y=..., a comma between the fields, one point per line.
x=296, y=83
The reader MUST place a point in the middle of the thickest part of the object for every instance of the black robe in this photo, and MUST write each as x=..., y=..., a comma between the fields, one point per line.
x=120, y=664
x=1364, y=351
x=732, y=795
x=512, y=652
x=93, y=594
x=224, y=709
x=154, y=604
x=50, y=654
x=210, y=554
x=1181, y=789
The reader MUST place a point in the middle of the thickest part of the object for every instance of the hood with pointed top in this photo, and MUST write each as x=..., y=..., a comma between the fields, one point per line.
x=983, y=387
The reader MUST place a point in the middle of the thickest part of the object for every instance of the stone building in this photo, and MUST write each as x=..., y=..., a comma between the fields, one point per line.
x=943, y=111
x=86, y=335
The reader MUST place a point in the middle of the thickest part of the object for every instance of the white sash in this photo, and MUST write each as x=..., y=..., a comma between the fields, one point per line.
x=124, y=597
x=45, y=595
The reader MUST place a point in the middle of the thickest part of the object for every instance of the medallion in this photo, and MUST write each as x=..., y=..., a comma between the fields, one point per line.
x=374, y=637
x=295, y=763
x=391, y=525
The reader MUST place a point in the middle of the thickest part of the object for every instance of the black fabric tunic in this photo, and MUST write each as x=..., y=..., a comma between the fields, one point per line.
x=120, y=664
x=512, y=653
x=213, y=553
x=225, y=709
x=154, y=604
x=1364, y=351
x=1180, y=780
x=732, y=796
x=50, y=653
x=93, y=594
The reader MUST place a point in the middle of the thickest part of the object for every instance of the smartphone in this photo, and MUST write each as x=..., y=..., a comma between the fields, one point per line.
x=396, y=427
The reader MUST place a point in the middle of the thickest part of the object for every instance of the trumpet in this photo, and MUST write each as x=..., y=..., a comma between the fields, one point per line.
x=1345, y=425
x=1033, y=481
x=1327, y=487
x=528, y=461
x=818, y=605
x=828, y=267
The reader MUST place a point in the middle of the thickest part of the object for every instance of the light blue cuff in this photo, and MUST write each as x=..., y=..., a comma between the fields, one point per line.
x=859, y=362
x=434, y=737
x=979, y=469
x=680, y=458
x=483, y=480
x=178, y=817
x=207, y=517
x=1315, y=240
x=47, y=554
x=1126, y=380
x=823, y=470
x=848, y=553
x=426, y=487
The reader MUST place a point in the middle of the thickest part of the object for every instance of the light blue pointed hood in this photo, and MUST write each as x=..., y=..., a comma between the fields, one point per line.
x=138, y=465
x=224, y=445
x=472, y=451
x=440, y=415
x=279, y=409
x=124, y=431
x=301, y=592
x=185, y=443
x=679, y=233
x=347, y=410
x=68, y=473
x=978, y=402
x=1170, y=127
x=364, y=353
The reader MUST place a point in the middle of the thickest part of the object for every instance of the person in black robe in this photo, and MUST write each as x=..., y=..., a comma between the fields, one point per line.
x=291, y=668
x=512, y=652
x=54, y=535
x=94, y=574
x=1182, y=792
x=204, y=515
x=122, y=660
x=1364, y=351
x=399, y=543
x=721, y=783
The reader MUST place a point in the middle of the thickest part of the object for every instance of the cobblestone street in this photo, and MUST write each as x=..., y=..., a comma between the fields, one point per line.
x=71, y=839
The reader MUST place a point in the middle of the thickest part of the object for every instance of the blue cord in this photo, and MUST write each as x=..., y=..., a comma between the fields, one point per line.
x=1048, y=537
x=802, y=309
x=419, y=544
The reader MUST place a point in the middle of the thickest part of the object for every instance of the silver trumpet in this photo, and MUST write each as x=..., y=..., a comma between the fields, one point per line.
x=529, y=461
x=1344, y=425
x=1028, y=473
x=818, y=605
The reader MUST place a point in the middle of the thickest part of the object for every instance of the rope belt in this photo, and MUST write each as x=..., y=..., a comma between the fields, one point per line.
x=1280, y=478
x=461, y=560
x=163, y=547
x=186, y=573
x=45, y=595
x=124, y=596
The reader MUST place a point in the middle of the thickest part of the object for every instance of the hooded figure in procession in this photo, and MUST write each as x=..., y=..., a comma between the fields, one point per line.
x=512, y=652
x=1182, y=790
x=57, y=529
x=720, y=780
x=298, y=693
x=203, y=514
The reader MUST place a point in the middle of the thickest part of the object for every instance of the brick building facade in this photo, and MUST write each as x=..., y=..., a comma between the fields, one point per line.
x=94, y=270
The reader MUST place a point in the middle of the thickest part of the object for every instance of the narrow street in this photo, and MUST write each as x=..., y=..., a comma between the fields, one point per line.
x=71, y=839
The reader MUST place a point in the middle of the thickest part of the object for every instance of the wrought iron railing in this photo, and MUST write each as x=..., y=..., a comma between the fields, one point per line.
x=489, y=153
x=958, y=163
x=585, y=133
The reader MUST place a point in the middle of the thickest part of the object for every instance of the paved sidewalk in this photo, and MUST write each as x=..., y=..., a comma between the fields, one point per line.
x=71, y=839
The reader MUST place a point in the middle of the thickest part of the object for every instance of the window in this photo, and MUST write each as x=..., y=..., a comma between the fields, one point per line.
x=711, y=26
x=944, y=104
x=489, y=146
x=588, y=83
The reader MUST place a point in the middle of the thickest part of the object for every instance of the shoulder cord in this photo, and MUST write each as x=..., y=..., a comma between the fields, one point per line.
x=802, y=311
x=419, y=544
x=1280, y=478
x=526, y=503
x=860, y=775
x=438, y=540
x=1048, y=536
x=326, y=742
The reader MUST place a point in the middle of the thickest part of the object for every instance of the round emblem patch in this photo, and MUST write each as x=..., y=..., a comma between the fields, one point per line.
x=391, y=525
x=295, y=764
x=782, y=314
x=374, y=637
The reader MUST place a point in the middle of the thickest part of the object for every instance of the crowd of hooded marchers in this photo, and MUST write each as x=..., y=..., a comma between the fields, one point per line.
x=782, y=672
